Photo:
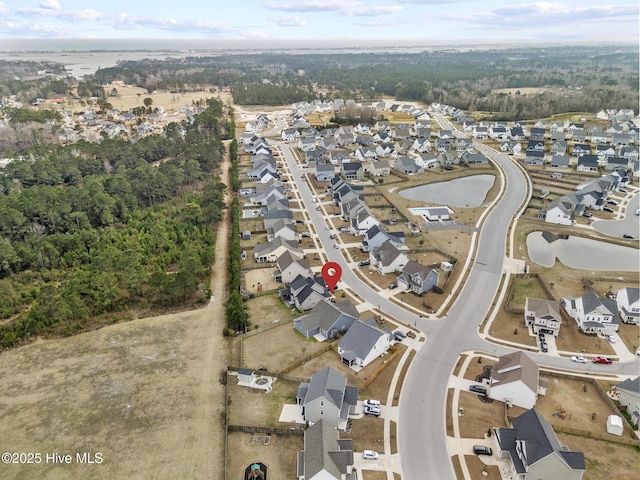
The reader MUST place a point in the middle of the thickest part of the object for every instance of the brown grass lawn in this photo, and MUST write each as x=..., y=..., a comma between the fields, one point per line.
x=373, y=475
x=367, y=434
x=379, y=388
x=449, y=420
x=630, y=335
x=604, y=459
x=280, y=456
x=479, y=417
x=268, y=309
x=573, y=340
x=260, y=279
x=505, y=326
x=474, y=369
x=403, y=374
x=476, y=467
x=568, y=395
x=249, y=406
x=278, y=348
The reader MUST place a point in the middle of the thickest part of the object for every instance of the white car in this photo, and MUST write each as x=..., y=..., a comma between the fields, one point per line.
x=371, y=403
x=375, y=411
x=610, y=337
x=578, y=359
x=336, y=246
x=370, y=454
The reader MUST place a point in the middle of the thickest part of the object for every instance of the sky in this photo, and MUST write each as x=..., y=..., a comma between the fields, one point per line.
x=512, y=21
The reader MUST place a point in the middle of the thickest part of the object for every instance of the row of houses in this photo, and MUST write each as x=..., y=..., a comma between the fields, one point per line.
x=591, y=195
x=592, y=313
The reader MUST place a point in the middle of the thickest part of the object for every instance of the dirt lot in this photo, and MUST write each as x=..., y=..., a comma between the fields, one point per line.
x=260, y=279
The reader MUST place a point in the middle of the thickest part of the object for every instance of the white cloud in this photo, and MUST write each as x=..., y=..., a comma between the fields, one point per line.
x=50, y=5
x=4, y=11
x=289, y=21
x=543, y=14
x=312, y=5
x=376, y=11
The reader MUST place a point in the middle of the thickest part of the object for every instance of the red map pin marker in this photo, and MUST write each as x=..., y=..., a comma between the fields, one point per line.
x=331, y=273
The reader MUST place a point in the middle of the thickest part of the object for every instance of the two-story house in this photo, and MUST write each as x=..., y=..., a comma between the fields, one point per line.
x=592, y=313
x=418, y=278
x=543, y=316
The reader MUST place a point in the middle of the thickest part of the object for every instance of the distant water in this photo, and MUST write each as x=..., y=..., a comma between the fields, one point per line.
x=461, y=192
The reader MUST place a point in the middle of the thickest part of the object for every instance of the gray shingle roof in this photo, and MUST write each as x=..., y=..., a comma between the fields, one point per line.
x=360, y=338
x=324, y=450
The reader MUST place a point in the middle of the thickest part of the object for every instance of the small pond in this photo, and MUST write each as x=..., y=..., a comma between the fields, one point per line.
x=582, y=253
x=464, y=192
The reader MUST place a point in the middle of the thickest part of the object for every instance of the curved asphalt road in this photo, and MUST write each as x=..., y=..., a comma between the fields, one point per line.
x=422, y=431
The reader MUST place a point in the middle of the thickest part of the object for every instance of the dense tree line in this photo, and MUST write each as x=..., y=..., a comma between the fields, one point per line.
x=92, y=230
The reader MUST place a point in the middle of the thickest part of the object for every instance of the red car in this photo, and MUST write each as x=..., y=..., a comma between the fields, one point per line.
x=604, y=360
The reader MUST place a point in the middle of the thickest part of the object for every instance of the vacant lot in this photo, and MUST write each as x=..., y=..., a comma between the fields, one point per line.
x=130, y=391
x=254, y=407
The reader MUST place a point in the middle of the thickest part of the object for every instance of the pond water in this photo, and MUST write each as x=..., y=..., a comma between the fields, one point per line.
x=462, y=192
x=582, y=253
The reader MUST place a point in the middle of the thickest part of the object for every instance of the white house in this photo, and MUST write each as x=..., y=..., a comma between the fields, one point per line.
x=592, y=313
x=363, y=343
x=629, y=396
x=515, y=379
x=628, y=301
x=387, y=258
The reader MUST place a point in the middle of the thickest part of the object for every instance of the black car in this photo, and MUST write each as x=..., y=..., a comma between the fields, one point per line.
x=587, y=215
x=481, y=389
x=544, y=348
x=626, y=235
x=364, y=263
x=607, y=209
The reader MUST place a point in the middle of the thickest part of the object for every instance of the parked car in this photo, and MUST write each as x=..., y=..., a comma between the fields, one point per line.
x=318, y=209
x=612, y=202
x=604, y=360
x=374, y=411
x=622, y=190
x=478, y=389
x=626, y=235
x=336, y=246
x=587, y=215
x=370, y=402
x=370, y=455
x=610, y=338
x=344, y=229
x=544, y=347
x=306, y=234
x=578, y=359
x=607, y=209
x=482, y=450
x=364, y=263
x=399, y=333
x=392, y=286
x=332, y=236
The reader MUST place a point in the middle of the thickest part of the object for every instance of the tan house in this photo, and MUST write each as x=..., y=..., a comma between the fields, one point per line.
x=543, y=316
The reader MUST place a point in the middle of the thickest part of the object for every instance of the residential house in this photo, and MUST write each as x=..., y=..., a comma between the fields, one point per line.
x=366, y=140
x=363, y=343
x=629, y=152
x=362, y=221
x=270, y=252
x=578, y=135
x=517, y=134
x=282, y=227
x=587, y=163
x=535, y=452
x=306, y=144
x=515, y=379
x=353, y=171
x=558, y=135
x=375, y=236
x=388, y=258
x=481, y=133
x=324, y=173
x=511, y=146
x=379, y=169
x=628, y=302
x=447, y=158
x=327, y=320
x=364, y=154
x=290, y=266
x=426, y=160
x=464, y=144
x=474, y=158
x=534, y=157
x=559, y=147
x=329, y=143
x=560, y=161
x=561, y=211
x=537, y=134
x=535, y=146
x=418, y=278
x=604, y=151
x=621, y=139
x=498, y=132
x=305, y=292
x=616, y=163
x=543, y=316
x=327, y=397
x=338, y=157
x=422, y=144
x=386, y=150
x=315, y=157
x=443, y=144
x=406, y=165
x=581, y=149
x=325, y=455
x=383, y=136
x=629, y=396
x=592, y=313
